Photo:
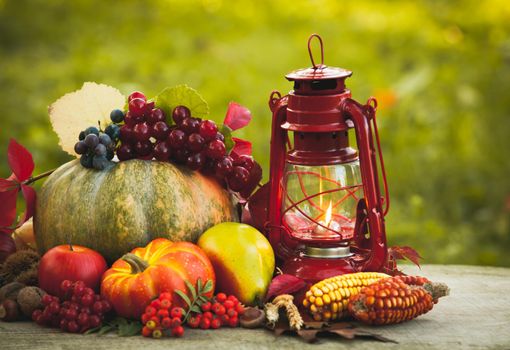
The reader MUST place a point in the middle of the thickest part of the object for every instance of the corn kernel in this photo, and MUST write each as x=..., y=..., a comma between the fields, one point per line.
x=327, y=299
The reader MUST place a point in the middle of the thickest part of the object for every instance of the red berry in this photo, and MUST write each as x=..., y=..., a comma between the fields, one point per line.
x=216, y=323
x=238, y=178
x=224, y=166
x=87, y=299
x=160, y=131
x=54, y=307
x=194, y=321
x=156, y=115
x=180, y=113
x=233, y=299
x=207, y=314
x=218, y=309
x=85, y=310
x=162, y=151
x=195, y=142
x=165, y=304
x=137, y=108
x=245, y=161
x=178, y=331
x=63, y=324
x=208, y=129
x=146, y=332
x=141, y=132
x=145, y=318
x=71, y=314
x=156, y=303
x=150, y=310
x=47, y=299
x=83, y=319
x=149, y=106
x=233, y=322
x=231, y=313
x=165, y=295
x=74, y=306
x=88, y=291
x=206, y=306
x=224, y=319
x=190, y=125
x=176, y=139
x=176, y=322
x=205, y=323
x=106, y=306
x=37, y=313
x=162, y=313
x=240, y=309
x=229, y=304
x=221, y=297
x=166, y=323
x=65, y=285
x=176, y=312
x=98, y=307
x=136, y=94
x=94, y=321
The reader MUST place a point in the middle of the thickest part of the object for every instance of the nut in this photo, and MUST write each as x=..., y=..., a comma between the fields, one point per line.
x=252, y=318
x=10, y=291
x=30, y=299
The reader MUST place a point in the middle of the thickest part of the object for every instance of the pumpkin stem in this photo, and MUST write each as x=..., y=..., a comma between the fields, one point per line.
x=137, y=264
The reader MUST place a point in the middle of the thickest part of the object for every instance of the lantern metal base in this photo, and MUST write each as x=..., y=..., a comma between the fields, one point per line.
x=328, y=253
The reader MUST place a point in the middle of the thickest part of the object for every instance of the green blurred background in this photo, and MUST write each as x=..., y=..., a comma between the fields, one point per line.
x=440, y=69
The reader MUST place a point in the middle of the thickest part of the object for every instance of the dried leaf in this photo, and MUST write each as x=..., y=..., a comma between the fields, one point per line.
x=20, y=160
x=237, y=116
x=405, y=252
x=80, y=109
x=309, y=335
x=284, y=284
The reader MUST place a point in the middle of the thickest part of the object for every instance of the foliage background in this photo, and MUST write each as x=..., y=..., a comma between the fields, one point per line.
x=440, y=69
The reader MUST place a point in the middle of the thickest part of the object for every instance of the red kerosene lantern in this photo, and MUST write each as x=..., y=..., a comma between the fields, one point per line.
x=325, y=210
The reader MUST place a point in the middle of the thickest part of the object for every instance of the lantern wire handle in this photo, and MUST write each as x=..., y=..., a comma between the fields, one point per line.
x=310, y=50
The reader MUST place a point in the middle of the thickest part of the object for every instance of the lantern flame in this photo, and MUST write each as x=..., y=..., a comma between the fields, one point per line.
x=328, y=215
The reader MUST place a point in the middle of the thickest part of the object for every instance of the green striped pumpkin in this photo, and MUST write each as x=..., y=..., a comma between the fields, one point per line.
x=127, y=206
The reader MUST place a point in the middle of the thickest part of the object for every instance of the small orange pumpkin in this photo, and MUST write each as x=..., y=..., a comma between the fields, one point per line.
x=162, y=266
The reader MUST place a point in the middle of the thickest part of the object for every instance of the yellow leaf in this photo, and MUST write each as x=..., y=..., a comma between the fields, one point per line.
x=76, y=111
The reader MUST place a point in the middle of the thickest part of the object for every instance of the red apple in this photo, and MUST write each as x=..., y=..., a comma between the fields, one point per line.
x=70, y=262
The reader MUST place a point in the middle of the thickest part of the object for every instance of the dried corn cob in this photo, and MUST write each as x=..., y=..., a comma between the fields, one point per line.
x=327, y=300
x=396, y=299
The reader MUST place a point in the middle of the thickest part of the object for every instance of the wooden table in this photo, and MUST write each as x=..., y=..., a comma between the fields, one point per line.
x=476, y=315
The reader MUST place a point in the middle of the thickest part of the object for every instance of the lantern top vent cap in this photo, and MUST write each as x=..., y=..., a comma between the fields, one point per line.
x=318, y=71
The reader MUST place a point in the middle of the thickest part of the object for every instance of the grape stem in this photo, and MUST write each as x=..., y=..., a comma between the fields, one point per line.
x=38, y=177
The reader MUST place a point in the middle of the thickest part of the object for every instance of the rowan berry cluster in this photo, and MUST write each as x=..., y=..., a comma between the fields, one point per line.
x=222, y=310
x=160, y=319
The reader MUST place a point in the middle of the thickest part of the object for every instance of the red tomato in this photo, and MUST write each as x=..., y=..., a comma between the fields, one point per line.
x=74, y=263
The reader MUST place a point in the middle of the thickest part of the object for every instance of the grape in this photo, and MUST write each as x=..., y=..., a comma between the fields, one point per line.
x=253, y=181
x=149, y=106
x=98, y=308
x=238, y=178
x=195, y=142
x=160, y=130
x=86, y=161
x=143, y=148
x=208, y=129
x=113, y=131
x=71, y=314
x=180, y=113
x=224, y=166
x=156, y=115
x=136, y=94
x=245, y=161
x=87, y=299
x=215, y=149
x=161, y=151
x=190, y=125
x=80, y=147
x=83, y=319
x=126, y=133
x=100, y=150
x=195, y=161
x=63, y=325
x=125, y=152
x=110, y=154
x=219, y=136
x=137, y=107
x=129, y=119
x=117, y=116
x=176, y=139
x=105, y=139
x=181, y=155
x=82, y=135
x=106, y=306
x=94, y=321
x=73, y=327
x=54, y=307
x=92, y=130
x=141, y=132
x=91, y=140
x=100, y=162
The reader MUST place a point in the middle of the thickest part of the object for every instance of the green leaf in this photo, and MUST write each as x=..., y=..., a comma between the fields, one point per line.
x=227, y=134
x=130, y=329
x=92, y=330
x=179, y=95
x=184, y=297
x=195, y=308
x=191, y=289
x=105, y=329
x=199, y=286
x=203, y=298
x=208, y=287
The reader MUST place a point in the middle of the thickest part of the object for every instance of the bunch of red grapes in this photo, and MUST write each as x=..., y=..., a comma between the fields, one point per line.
x=197, y=143
x=80, y=310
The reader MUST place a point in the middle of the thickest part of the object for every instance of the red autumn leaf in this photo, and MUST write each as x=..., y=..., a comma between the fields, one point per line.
x=8, y=209
x=7, y=185
x=237, y=116
x=30, y=196
x=20, y=160
x=241, y=147
x=284, y=284
x=405, y=252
